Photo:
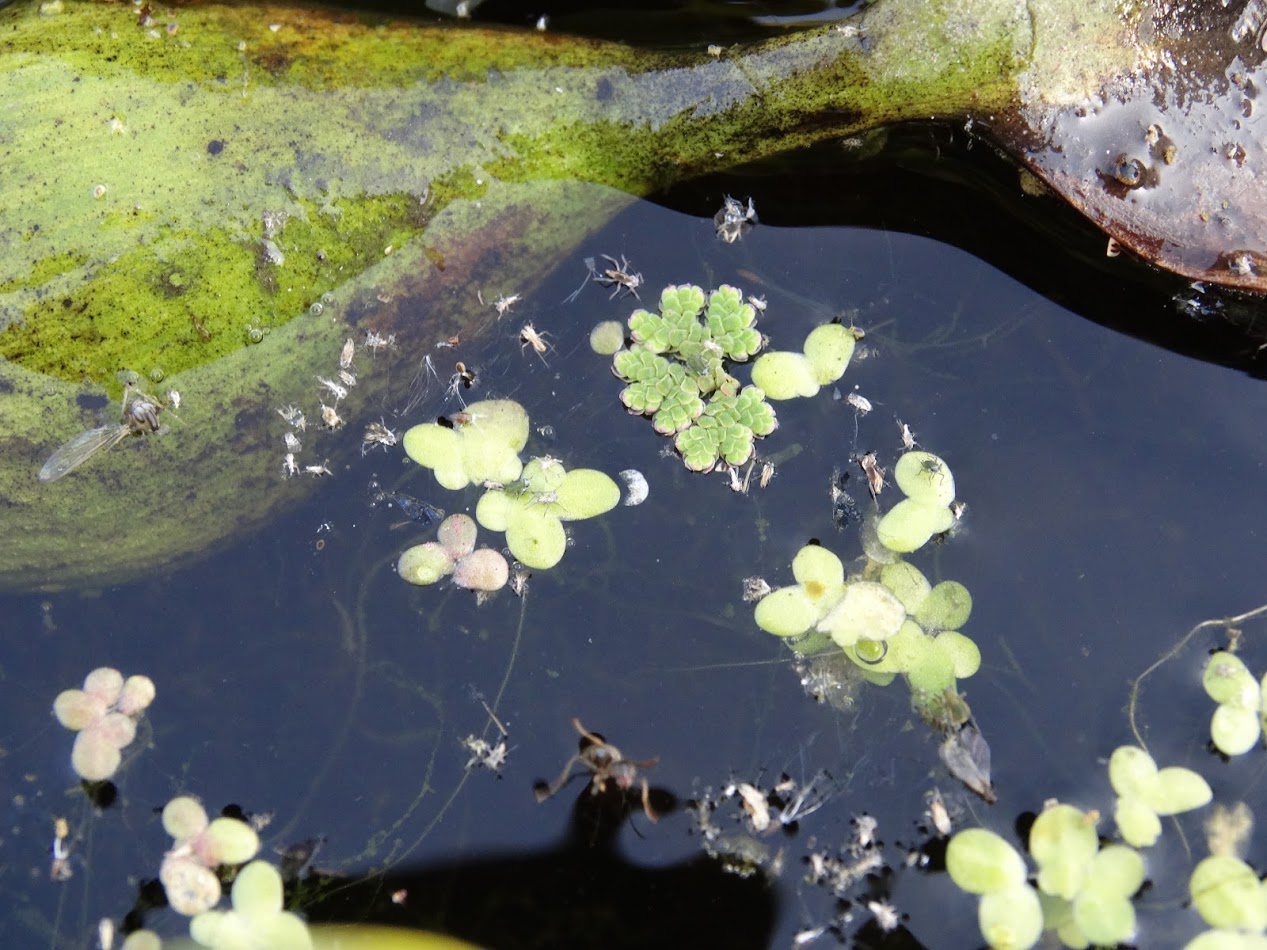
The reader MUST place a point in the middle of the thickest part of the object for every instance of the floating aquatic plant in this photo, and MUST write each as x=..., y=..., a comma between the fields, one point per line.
x=528, y=502
x=104, y=713
x=896, y=624
x=1237, y=722
x=675, y=372
x=1146, y=792
x=256, y=921
x=532, y=509
x=1009, y=914
x=187, y=872
x=787, y=375
x=929, y=487
x=1228, y=895
x=724, y=432
x=1085, y=889
x=484, y=448
x=607, y=337
x=453, y=552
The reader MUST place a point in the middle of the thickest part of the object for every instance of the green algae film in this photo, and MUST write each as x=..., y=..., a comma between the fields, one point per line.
x=193, y=304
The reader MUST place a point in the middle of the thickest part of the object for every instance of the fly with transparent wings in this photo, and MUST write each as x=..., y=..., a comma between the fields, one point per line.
x=80, y=449
x=140, y=415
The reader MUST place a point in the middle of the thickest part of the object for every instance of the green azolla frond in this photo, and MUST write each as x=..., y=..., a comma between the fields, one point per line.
x=725, y=430
x=677, y=361
x=730, y=324
x=658, y=388
x=681, y=302
x=681, y=403
x=676, y=327
x=755, y=412
x=698, y=448
x=639, y=364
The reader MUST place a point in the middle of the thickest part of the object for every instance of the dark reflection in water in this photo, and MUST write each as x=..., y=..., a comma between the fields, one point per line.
x=1113, y=491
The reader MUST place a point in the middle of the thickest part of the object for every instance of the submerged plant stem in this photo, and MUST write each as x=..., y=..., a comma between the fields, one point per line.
x=1174, y=651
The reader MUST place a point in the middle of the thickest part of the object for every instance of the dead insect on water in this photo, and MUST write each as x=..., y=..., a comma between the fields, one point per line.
x=860, y=404
x=908, y=437
x=295, y=416
x=140, y=417
x=938, y=814
x=338, y=391
x=376, y=433
x=844, y=510
x=875, y=474
x=535, y=339
x=605, y=763
x=967, y=756
x=754, y=588
x=619, y=276
x=330, y=418
x=414, y=509
x=733, y=220
x=346, y=354
x=376, y=341
x=503, y=304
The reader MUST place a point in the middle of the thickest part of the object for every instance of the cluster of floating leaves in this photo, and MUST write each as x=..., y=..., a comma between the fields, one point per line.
x=1238, y=721
x=675, y=370
x=528, y=502
x=453, y=552
x=201, y=845
x=256, y=918
x=1082, y=890
x=889, y=620
x=822, y=361
x=104, y=713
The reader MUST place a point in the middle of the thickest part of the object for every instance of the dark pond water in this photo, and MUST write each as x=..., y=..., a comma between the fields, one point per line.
x=1114, y=495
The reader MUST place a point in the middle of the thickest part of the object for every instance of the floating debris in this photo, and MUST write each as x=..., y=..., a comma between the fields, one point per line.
x=636, y=487
x=875, y=474
x=330, y=418
x=485, y=755
x=967, y=755
x=376, y=433
x=754, y=588
x=294, y=416
x=375, y=342
x=734, y=220
x=415, y=509
x=605, y=763
x=844, y=510
x=535, y=339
